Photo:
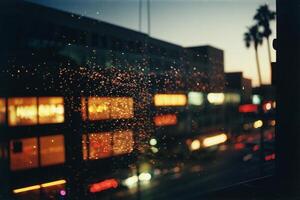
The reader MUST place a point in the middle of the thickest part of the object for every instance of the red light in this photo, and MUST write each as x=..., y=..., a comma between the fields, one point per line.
x=255, y=148
x=239, y=146
x=104, y=185
x=248, y=108
x=270, y=157
x=165, y=120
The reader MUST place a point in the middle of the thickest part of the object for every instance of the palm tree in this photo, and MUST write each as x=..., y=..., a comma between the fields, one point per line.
x=255, y=37
x=263, y=17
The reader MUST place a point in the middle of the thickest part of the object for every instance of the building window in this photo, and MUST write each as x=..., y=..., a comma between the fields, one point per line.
x=103, y=145
x=2, y=111
x=22, y=111
x=122, y=142
x=32, y=110
x=51, y=110
x=100, y=145
x=98, y=108
x=121, y=108
x=52, y=150
x=23, y=153
x=102, y=108
x=170, y=99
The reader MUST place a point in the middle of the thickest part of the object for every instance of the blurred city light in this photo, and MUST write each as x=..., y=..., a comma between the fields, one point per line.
x=170, y=100
x=36, y=187
x=216, y=98
x=258, y=124
x=53, y=183
x=195, y=145
x=153, y=141
x=248, y=108
x=154, y=149
x=26, y=189
x=165, y=120
x=195, y=98
x=214, y=140
x=145, y=176
x=63, y=192
x=232, y=98
x=256, y=99
x=131, y=181
x=104, y=185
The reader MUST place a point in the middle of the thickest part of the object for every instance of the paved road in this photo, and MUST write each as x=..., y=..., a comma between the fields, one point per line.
x=197, y=177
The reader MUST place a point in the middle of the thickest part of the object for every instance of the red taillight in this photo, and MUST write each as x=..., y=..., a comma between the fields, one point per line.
x=104, y=185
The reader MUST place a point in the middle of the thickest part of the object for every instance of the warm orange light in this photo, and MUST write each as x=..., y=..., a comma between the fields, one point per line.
x=170, y=100
x=106, y=144
x=23, y=153
x=104, y=185
x=195, y=145
x=26, y=189
x=36, y=187
x=165, y=120
x=52, y=150
x=122, y=142
x=2, y=111
x=214, y=140
x=100, y=108
x=53, y=183
x=51, y=110
x=22, y=111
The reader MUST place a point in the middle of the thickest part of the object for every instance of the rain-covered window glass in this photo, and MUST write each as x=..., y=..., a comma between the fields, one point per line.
x=22, y=111
x=51, y=110
x=23, y=153
x=101, y=108
x=2, y=111
x=52, y=150
x=106, y=144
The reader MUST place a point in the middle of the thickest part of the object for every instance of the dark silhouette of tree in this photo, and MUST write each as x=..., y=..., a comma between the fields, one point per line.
x=263, y=17
x=255, y=37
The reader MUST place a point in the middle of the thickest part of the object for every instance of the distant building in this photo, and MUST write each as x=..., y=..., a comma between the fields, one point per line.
x=236, y=82
x=267, y=92
x=210, y=62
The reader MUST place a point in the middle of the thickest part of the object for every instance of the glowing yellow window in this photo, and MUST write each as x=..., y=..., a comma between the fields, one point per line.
x=23, y=154
x=121, y=107
x=100, y=145
x=52, y=150
x=51, y=110
x=2, y=111
x=170, y=100
x=122, y=142
x=98, y=108
x=22, y=111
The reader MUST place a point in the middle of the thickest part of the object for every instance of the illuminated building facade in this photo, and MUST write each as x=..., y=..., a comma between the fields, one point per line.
x=77, y=93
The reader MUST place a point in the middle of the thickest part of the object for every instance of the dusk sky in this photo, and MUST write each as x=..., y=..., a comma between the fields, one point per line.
x=220, y=23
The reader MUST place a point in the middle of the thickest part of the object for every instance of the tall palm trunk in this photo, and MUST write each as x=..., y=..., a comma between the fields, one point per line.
x=258, y=66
